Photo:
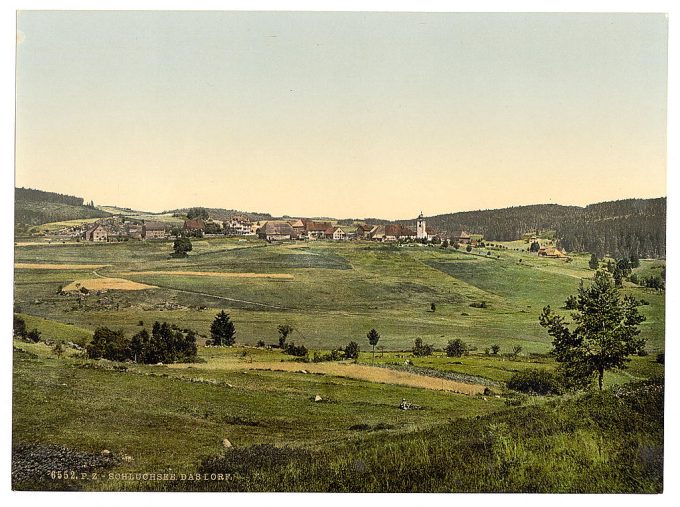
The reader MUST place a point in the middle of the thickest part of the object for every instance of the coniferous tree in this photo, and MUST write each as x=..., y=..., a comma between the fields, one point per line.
x=606, y=332
x=222, y=330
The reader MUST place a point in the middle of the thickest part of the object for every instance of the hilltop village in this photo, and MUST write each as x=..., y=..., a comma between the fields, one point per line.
x=121, y=228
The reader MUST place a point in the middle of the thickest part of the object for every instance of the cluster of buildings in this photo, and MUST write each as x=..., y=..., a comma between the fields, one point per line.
x=113, y=230
x=117, y=229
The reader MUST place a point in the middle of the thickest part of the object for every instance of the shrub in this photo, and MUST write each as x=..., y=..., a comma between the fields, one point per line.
x=33, y=336
x=421, y=349
x=297, y=351
x=456, y=348
x=535, y=381
x=482, y=304
x=352, y=350
x=261, y=344
x=19, y=328
x=661, y=358
x=495, y=348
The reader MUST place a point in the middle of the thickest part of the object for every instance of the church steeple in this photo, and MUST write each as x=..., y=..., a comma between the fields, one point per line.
x=421, y=228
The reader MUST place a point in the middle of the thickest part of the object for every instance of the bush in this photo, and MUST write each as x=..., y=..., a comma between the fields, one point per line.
x=33, y=336
x=261, y=344
x=495, y=349
x=294, y=350
x=352, y=350
x=535, y=381
x=421, y=349
x=456, y=348
x=19, y=329
x=661, y=358
x=482, y=304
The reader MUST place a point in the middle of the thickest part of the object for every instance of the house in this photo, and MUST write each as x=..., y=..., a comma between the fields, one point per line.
x=335, y=233
x=238, y=225
x=298, y=225
x=97, y=233
x=461, y=237
x=276, y=230
x=553, y=252
x=135, y=231
x=363, y=230
x=316, y=230
x=391, y=232
x=193, y=225
x=153, y=230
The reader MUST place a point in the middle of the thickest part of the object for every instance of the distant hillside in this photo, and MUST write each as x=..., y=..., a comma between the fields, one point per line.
x=35, y=207
x=618, y=228
x=223, y=214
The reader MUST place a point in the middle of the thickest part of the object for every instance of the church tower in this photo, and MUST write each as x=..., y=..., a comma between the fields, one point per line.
x=421, y=231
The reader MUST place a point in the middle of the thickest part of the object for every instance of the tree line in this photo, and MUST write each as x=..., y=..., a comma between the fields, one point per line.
x=165, y=344
x=31, y=194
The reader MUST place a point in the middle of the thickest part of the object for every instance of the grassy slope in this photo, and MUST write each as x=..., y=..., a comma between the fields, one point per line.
x=338, y=293
x=164, y=416
x=170, y=419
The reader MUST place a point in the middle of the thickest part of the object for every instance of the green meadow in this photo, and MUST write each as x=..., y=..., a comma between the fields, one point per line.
x=175, y=417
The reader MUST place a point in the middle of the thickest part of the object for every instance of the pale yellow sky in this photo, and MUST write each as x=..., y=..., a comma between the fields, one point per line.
x=341, y=114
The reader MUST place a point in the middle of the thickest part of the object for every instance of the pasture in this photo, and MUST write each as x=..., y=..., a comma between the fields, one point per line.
x=330, y=293
x=171, y=417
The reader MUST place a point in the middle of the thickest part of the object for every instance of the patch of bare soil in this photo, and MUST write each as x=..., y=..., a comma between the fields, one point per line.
x=107, y=284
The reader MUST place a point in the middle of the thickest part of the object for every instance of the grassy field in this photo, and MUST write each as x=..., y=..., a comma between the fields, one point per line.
x=175, y=416
x=333, y=293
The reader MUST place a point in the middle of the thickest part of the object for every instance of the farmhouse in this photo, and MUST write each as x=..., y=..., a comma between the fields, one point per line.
x=461, y=237
x=391, y=232
x=97, y=233
x=193, y=225
x=135, y=231
x=363, y=230
x=553, y=252
x=153, y=230
x=335, y=233
x=298, y=225
x=276, y=230
x=316, y=230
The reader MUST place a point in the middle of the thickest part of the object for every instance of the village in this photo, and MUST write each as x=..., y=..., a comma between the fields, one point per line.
x=121, y=228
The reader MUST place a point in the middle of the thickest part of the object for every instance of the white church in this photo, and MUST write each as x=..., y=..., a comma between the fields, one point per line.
x=421, y=228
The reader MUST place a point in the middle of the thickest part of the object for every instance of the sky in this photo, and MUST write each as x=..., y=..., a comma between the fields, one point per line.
x=341, y=114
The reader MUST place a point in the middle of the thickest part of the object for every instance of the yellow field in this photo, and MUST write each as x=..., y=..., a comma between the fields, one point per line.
x=107, y=284
x=349, y=370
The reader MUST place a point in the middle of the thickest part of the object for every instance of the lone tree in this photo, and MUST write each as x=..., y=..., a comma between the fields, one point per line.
x=222, y=330
x=593, y=263
x=373, y=338
x=456, y=348
x=606, y=332
x=284, y=330
x=181, y=246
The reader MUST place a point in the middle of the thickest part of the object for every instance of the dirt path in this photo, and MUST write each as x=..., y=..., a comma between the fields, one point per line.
x=353, y=371
x=23, y=265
